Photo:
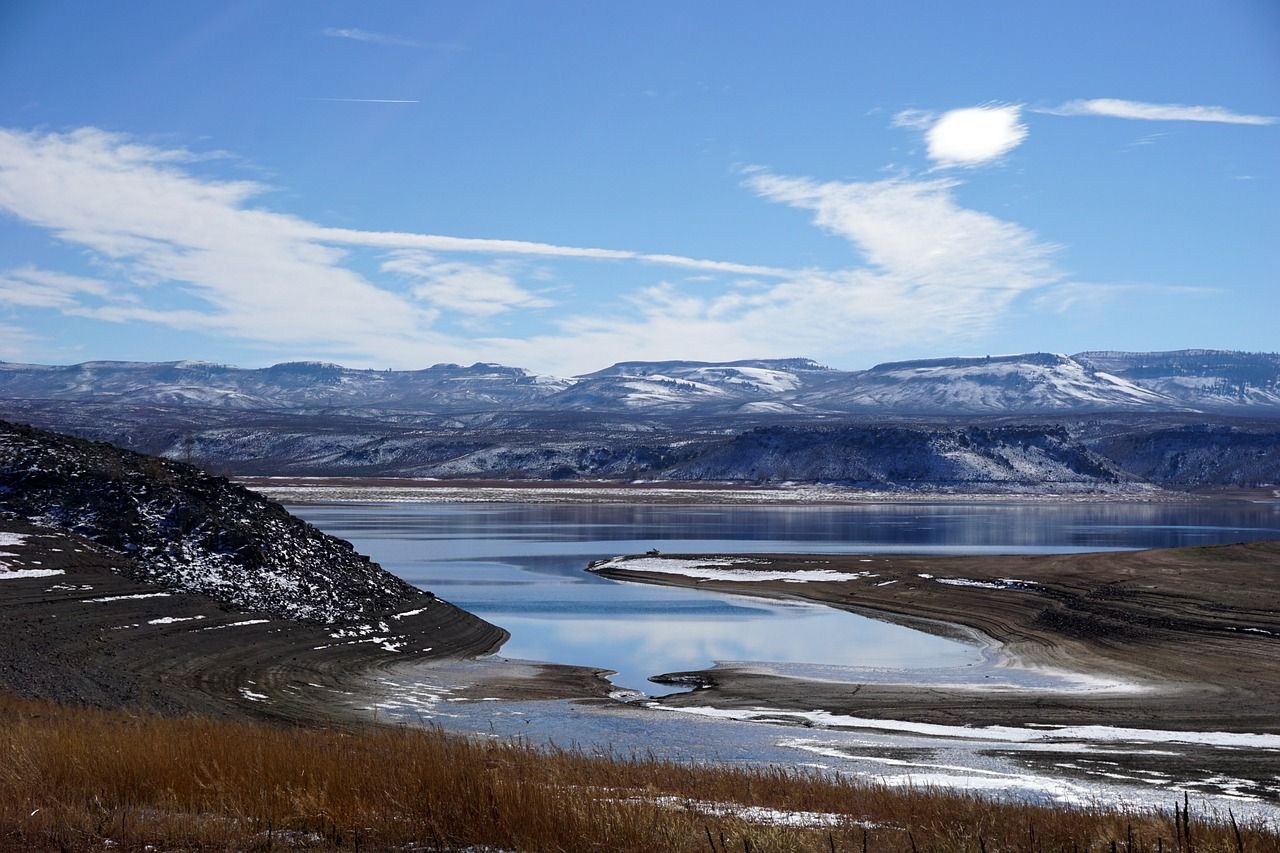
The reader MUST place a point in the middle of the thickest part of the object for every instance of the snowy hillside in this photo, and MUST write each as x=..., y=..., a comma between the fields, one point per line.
x=692, y=385
x=444, y=387
x=1038, y=382
x=1208, y=380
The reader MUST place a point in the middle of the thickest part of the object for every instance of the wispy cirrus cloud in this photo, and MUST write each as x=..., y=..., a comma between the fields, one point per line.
x=154, y=220
x=477, y=290
x=1070, y=295
x=1143, y=111
x=485, y=245
x=916, y=231
x=37, y=288
x=170, y=234
x=928, y=264
x=368, y=100
x=189, y=251
x=357, y=34
x=14, y=341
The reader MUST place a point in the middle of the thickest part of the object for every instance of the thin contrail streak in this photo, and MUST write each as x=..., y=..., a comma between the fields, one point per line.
x=368, y=100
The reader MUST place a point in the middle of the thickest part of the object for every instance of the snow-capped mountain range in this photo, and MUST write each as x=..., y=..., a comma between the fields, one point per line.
x=1183, y=381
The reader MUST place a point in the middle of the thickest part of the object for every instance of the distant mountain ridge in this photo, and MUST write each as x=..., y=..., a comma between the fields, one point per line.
x=1216, y=381
x=290, y=385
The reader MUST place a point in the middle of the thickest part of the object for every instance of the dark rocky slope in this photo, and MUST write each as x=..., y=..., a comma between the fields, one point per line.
x=128, y=580
x=189, y=531
x=1198, y=455
x=74, y=628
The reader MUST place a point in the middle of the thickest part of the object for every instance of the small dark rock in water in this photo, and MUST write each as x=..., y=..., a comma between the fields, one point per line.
x=190, y=531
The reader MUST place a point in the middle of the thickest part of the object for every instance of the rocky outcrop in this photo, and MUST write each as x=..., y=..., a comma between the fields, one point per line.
x=189, y=531
x=1019, y=458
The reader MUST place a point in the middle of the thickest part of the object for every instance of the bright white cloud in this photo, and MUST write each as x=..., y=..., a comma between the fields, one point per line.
x=472, y=289
x=974, y=135
x=1117, y=108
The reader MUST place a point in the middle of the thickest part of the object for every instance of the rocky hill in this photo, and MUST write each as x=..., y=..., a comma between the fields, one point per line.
x=188, y=531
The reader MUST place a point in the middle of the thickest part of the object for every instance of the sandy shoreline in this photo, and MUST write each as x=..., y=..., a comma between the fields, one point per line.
x=1189, y=638
x=392, y=489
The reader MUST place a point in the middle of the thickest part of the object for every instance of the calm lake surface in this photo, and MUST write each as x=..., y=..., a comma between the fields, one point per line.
x=521, y=567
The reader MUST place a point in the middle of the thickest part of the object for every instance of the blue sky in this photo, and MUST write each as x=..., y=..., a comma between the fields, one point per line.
x=565, y=185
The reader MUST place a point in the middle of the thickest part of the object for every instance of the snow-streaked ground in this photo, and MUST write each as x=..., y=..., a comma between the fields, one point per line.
x=9, y=569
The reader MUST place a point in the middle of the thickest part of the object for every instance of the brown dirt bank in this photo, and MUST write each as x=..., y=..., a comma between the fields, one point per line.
x=179, y=653
x=1198, y=628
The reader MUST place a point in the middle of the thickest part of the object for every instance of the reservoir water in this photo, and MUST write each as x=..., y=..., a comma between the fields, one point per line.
x=521, y=567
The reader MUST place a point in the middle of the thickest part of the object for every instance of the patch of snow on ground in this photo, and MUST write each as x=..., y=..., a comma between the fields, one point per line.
x=1005, y=734
x=714, y=569
x=1003, y=583
x=7, y=574
x=251, y=696
x=12, y=538
x=752, y=814
x=169, y=620
x=110, y=598
x=236, y=624
x=1063, y=792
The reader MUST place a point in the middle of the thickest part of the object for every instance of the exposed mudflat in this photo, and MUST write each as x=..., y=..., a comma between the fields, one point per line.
x=1185, y=639
x=74, y=630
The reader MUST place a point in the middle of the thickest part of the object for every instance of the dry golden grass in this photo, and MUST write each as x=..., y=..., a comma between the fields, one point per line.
x=77, y=778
